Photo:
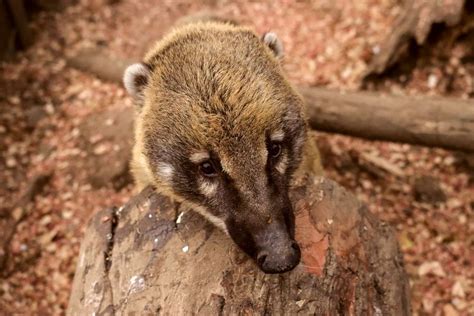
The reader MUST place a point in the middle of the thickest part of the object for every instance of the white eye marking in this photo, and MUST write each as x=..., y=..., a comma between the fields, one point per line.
x=208, y=188
x=165, y=171
x=199, y=157
x=282, y=164
x=277, y=136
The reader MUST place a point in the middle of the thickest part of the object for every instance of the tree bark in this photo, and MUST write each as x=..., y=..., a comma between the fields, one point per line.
x=146, y=259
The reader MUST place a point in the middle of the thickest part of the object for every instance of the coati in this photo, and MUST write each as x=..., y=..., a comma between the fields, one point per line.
x=219, y=127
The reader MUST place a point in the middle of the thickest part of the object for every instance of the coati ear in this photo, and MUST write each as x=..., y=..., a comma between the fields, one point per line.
x=135, y=79
x=273, y=42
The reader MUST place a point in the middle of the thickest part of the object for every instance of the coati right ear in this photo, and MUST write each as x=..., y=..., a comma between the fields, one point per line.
x=273, y=42
x=135, y=79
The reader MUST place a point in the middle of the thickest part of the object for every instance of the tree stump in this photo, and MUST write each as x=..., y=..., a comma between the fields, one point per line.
x=153, y=257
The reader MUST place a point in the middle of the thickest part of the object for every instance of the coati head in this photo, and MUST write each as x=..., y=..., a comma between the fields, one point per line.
x=219, y=127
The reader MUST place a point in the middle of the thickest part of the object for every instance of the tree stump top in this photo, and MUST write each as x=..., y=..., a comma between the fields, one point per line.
x=152, y=256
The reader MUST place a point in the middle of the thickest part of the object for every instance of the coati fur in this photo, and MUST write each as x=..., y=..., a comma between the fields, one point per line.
x=219, y=128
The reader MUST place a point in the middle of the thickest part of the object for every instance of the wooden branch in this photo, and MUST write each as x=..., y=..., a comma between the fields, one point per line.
x=140, y=259
x=100, y=64
x=442, y=122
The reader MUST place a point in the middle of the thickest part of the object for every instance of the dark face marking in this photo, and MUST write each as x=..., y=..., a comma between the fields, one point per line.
x=251, y=200
x=267, y=234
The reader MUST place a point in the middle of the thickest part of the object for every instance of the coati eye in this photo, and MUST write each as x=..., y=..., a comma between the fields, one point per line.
x=208, y=169
x=274, y=150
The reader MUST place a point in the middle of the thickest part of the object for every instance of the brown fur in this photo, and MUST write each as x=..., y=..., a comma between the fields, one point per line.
x=219, y=89
x=161, y=105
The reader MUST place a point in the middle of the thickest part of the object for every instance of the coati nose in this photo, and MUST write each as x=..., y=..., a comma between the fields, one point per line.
x=279, y=259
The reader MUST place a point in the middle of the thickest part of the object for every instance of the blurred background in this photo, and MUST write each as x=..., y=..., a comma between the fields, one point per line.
x=65, y=131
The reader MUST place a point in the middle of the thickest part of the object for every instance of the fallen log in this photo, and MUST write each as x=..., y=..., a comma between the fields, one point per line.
x=148, y=258
x=433, y=122
x=95, y=61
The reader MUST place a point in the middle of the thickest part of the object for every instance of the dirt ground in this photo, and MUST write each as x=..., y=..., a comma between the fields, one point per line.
x=51, y=125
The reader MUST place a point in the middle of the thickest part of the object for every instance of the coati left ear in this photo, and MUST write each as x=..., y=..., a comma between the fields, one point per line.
x=273, y=42
x=135, y=79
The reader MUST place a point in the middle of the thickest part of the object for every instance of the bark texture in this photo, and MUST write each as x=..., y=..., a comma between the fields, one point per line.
x=146, y=259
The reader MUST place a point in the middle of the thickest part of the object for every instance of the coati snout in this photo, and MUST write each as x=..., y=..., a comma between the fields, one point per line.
x=219, y=127
x=271, y=243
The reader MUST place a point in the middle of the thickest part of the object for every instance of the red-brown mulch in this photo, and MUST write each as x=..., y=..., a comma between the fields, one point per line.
x=327, y=43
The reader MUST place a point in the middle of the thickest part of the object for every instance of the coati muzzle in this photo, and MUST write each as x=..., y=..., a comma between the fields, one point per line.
x=277, y=251
x=270, y=243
